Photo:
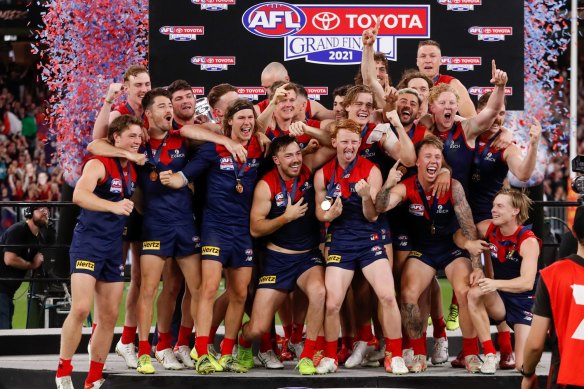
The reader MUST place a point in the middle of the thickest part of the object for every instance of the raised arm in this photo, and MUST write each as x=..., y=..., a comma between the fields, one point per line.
x=105, y=115
x=322, y=134
x=199, y=133
x=368, y=64
x=391, y=193
x=523, y=167
x=407, y=152
x=266, y=119
x=465, y=105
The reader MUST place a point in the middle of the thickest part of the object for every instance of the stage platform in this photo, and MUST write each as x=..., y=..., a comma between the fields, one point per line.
x=38, y=371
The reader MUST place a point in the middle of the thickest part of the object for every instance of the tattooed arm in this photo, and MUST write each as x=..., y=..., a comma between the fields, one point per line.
x=464, y=216
x=384, y=200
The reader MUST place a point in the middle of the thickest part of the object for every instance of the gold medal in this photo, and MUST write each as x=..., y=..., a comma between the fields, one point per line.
x=476, y=177
x=153, y=175
x=402, y=169
x=239, y=187
x=432, y=229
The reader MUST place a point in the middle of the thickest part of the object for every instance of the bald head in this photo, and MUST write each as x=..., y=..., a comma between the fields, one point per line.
x=273, y=72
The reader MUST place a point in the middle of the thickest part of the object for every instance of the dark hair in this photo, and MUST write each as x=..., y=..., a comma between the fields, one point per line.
x=428, y=42
x=277, y=84
x=120, y=124
x=218, y=91
x=178, y=85
x=409, y=75
x=149, y=97
x=354, y=91
x=301, y=91
x=234, y=107
x=341, y=90
x=134, y=70
x=578, y=226
x=377, y=57
x=429, y=140
x=280, y=143
x=484, y=99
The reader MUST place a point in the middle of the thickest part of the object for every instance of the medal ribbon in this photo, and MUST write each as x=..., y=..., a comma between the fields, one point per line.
x=154, y=158
x=239, y=171
x=125, y=184
x=285, y=190
x=432, y=213
x=330, y=189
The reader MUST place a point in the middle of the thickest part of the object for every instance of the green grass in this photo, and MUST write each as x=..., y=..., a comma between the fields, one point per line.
x=21, y=302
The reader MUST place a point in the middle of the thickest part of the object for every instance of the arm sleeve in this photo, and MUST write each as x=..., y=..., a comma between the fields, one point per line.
x=200, y=162
x=542, y=306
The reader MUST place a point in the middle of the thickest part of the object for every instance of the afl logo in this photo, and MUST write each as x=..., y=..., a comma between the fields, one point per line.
x=326, y=21
x=274, y=19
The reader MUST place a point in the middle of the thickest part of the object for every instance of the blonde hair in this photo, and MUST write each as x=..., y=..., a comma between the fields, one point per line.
x=519, y=200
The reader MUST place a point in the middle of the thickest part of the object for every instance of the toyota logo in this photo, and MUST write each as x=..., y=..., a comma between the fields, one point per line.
x=326, y=21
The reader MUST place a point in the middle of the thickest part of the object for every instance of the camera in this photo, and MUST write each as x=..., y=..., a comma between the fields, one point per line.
x=578, y=167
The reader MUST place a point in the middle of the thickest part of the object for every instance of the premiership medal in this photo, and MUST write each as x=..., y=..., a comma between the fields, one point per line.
x=476, y=177
x=153, y=175
x=239, y=187
x=326, y=204
x=402, y=169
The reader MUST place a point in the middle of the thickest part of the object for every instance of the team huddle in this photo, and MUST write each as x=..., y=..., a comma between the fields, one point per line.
x=338, y=220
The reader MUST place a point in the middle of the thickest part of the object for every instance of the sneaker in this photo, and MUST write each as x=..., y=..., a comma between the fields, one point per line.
x=128, y=352
x=395, y=365
x=408, y=356
x=306, y=366
x=418, y=364
x=96, y=384
x=440, y=351
x=145, y=365
x=343, y=354
x=458, y=362
x=489, y=365
x=215, y=363
x=360, y=349
x=64, y=382
x=429, y=321
x=211, y=350
x=375, y=355
x=296, y=349
x=317, y=357
x=194, y=356
x=183, y=355
x=270, y=360
x=230, y=364
x=204, y=365
x=327, y=365
x=167, y=359
x=245, y=357
x=507, y=361
x=452, y=321
x=472, y=363
x=285, y=354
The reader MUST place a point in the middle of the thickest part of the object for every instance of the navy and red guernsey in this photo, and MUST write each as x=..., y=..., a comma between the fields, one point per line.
x=89, y=237
x=489, y=170
x=438, y=212
x=126, y=109
x=457, y=153
x=303, y=233
x=373, y=151
x=273, y=133
x=163, y=204
x=224, y=204
x=443, y=79
x=505, y=254
x=351, y=228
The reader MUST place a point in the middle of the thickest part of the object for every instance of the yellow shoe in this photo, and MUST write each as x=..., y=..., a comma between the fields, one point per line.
x=216, y=365
x=306, y=367
x=145, y=365
x=452, y=322
x=194, y=355
x=231, y=364
x=204, y=365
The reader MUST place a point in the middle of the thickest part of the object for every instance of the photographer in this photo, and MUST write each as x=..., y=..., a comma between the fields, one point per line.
x=17, y=260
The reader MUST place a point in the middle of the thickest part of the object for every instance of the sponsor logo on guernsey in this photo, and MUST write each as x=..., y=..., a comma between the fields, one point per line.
x=416, y=209
x=82, y=264
x=251, y=93
x=214, y=5
x=460, y=5
x=210, y=250
x=333, y=259
x=306, y=186
x=489, y=157
x=116, y=186
x=490, y=34
x=226, y=163
x=481, y=90
x=175, y=153
x=151, y=245
x=267, y=280
x=441, y=209
x=182, y=33
x=331, y=33
x=461, y=64
x=315, y=92
x=213, y=63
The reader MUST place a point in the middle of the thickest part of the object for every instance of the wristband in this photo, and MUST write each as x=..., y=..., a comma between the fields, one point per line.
x=109, y=101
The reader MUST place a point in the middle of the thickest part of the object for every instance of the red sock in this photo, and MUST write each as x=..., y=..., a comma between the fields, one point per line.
x=320, y=343
x=348, y=341
x=129, y=335
x=488, y=347
x=470, y=346
x=227, y=346
x=212, y=333
x=287, y=331
x=439, y=328
x=454, y=300
x=365, y=332
x=419, y=345
x=504, y=342
x=266, y=342
x=65, y=368
x=297, y=330
x=309, y=349
x=394, y=346
x=201, y=345
x=244, y=343
x=184, y=336
x=164, y=341
x=330, y=349
x=95, y=372
x=144, y=348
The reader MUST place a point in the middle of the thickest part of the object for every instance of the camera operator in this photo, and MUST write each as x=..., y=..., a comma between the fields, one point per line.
x=19, y=259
